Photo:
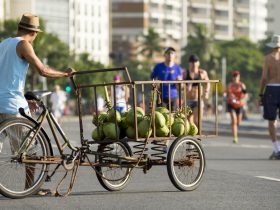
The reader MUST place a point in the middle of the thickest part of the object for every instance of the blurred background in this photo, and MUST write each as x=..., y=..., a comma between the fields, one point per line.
x=227, y=35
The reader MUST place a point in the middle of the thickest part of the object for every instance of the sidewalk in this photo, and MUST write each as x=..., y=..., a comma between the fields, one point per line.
x=254, y=127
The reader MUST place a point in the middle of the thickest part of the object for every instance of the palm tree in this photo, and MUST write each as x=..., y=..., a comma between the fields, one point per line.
x=202, y=45
x=151, y=44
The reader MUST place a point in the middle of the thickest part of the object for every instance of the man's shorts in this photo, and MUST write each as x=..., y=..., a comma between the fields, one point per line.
x=271, y=102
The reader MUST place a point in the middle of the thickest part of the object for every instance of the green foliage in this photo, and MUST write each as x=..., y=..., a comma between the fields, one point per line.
x=139, y=70
x=245, y=56
x=151, y=44
x=8, y=29
x=204, y=47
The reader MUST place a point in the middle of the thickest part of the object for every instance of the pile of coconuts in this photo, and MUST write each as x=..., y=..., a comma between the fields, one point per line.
x=160, y=123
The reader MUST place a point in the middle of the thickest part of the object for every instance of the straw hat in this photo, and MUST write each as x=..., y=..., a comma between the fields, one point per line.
x=30, y=22
x=275, y=42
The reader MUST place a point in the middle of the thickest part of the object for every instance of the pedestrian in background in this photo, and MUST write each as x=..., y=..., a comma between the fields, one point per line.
x=236, y=100
x=196, y=73
x=122, y=94
x=16, y=54
x=165, y=71
x=58, y=99
x=270, y=92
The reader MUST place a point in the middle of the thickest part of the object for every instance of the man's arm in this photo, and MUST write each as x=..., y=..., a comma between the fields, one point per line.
x=25, y=51
x=264, y=77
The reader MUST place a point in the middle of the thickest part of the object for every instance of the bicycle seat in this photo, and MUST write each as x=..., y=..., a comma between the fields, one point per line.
x=36, y=95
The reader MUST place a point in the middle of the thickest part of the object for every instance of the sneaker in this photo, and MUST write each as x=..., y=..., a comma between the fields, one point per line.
x=235, y=140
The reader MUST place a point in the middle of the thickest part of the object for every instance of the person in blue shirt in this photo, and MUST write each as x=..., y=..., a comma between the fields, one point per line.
x=168, y=70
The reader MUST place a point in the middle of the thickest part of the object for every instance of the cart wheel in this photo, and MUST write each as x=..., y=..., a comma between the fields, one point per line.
x=113, y=178
x=185, y=163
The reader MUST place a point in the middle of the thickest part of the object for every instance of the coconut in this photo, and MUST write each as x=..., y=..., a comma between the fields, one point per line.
x=130, y=116
x=178, y=120
x=187, y=127
x=193, y=129
x=130, y=132
x=112, y=115
x=159, y=120
x=162, y=110
x=178, y=128
x=169, y=119
x=144, y=129
x=102, y=117
x=97, y=134
x=162, y=132
x=123, y=123
x=110, y=131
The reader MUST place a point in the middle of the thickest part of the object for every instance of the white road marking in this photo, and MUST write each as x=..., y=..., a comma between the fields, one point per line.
x=268, y=178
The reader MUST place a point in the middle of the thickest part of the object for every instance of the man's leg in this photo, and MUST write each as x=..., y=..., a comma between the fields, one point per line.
x=272, y=125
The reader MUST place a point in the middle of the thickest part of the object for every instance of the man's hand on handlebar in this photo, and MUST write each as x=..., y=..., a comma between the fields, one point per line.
x=70, y=72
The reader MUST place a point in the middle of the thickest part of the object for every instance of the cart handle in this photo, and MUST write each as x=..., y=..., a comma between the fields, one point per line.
x=105, y=70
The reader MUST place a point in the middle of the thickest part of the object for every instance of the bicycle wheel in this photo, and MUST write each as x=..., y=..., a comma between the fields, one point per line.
x=113, y=178
x=185, y=163
x=18, y=179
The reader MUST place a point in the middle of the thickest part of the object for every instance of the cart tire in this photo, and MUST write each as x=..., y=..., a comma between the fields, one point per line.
x=113, y=178
x=185, y=163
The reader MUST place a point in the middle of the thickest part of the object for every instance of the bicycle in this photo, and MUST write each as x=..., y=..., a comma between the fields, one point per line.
x=27, y=153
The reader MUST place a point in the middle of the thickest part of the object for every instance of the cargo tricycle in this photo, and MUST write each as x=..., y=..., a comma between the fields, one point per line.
x=145, y=135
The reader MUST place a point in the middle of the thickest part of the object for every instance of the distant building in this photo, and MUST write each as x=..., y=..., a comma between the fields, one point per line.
x=273, y=19
x=132, y=19
x=229, y=19
x=174, y=20
x=84, y=25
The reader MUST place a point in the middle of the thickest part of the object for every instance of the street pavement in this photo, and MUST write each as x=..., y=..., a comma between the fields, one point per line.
x=237, y=176
x=254, y=127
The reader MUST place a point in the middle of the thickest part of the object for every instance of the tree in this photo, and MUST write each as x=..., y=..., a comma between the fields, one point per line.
x=243, y=55
x=203, y=46
x=151, y=44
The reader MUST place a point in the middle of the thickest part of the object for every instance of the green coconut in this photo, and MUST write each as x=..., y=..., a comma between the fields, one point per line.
x=130, y=132
x=178, y=129
x=159, y=120
x=123, y=122
x=193, y=130
x=178, y=120
x=130, y=116
x=112, y=115
x=97, y=134
x=169, y=119
x=110, y=131
x=162, y=110
x=144, y=129
x=102, y=117
x=162, y=132
x=187, y=127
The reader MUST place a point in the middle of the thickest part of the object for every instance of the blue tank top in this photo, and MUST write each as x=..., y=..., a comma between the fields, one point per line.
x=13, y=72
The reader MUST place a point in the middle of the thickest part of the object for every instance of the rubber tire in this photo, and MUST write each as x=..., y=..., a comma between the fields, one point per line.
x=108, y=185
x=170, y=164
x=43, y=173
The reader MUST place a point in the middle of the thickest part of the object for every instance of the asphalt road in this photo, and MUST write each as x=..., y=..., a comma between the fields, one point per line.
x=236, y=177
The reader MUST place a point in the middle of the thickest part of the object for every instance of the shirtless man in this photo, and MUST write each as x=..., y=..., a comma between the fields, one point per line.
x=270, y=91
x=195, y=73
